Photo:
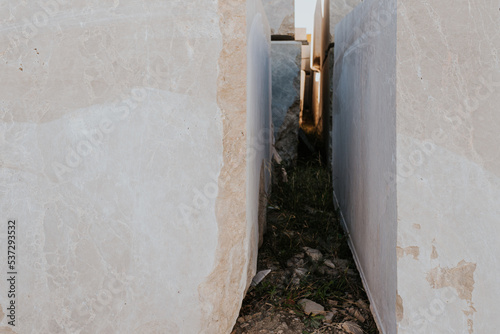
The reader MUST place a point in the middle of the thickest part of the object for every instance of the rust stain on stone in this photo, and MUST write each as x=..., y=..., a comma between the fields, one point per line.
x=399, y=308
x=221, y=294
x=434, y=254
x=412, y=250
x=461, y=278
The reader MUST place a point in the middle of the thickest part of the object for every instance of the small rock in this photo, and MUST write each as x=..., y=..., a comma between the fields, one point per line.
x=332, y=302
x=311, y=307
x=352, y=328
x=260, y=276
x=329, y=264
x=362, y=304
x=329, y=317
x=301, y=272
x=332, y=272
x=296, y=261
x=241, y=320
x=314, y=254
x=341, y=263
x=358, y=316
x=322, y=270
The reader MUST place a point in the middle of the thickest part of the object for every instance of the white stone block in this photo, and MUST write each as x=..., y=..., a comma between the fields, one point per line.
x=416, y=160
x=130, y=162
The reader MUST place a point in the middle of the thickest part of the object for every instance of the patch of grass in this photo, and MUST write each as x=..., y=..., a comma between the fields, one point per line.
x=302, y=214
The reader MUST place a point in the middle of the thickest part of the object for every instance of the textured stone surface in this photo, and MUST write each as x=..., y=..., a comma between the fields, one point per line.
x=433, y=136
x=124, y=163
x=281, y=16
x=286, y=62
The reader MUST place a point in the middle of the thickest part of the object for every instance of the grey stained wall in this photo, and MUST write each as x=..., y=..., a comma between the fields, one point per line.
x=364, y=150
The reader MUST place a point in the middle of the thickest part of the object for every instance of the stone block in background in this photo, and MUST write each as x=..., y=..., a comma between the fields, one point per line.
x=281, y=17
x=131, y=162
x=300, y=34
x=306, y=57
x=286, y=63
x=338, y=10
x=320, y=38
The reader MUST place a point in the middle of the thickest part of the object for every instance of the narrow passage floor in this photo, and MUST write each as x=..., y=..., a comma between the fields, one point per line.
x=313, y=286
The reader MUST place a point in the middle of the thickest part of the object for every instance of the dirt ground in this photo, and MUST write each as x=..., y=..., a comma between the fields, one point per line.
x=313, y=286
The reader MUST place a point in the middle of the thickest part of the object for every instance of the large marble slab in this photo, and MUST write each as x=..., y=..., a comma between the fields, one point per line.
x=416, y=160
x=286, y=62
x=128, y=162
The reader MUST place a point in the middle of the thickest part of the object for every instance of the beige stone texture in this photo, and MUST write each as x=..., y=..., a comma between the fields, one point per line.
x=448, y=96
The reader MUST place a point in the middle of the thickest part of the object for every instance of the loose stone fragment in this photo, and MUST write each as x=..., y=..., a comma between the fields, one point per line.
x=311, y=307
